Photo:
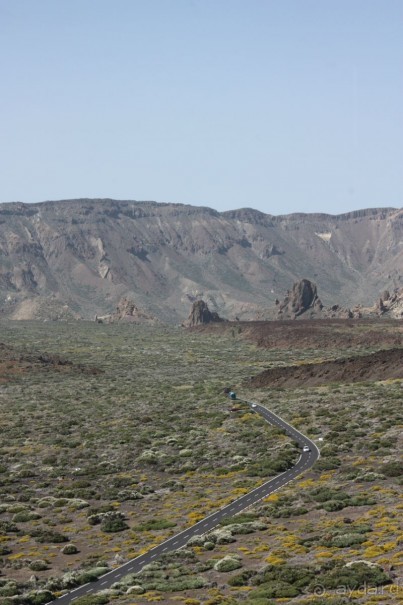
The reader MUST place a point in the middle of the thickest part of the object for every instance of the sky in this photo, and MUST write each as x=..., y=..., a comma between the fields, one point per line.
x=279, y=105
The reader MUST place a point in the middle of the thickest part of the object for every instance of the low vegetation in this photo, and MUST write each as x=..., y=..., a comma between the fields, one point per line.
x=97, y=467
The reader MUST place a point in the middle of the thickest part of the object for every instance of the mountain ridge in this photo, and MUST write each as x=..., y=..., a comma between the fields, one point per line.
x=82, y=256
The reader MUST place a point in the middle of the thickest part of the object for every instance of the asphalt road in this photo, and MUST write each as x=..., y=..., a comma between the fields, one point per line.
x=306, y=461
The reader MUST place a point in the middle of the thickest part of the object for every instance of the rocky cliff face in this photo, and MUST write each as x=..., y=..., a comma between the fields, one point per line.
x=81, y=257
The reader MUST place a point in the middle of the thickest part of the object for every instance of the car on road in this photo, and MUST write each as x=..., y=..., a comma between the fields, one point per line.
x=253, y=405
x=306, y=448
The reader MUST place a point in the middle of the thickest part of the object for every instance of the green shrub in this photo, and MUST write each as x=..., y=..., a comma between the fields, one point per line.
x=41, y=597
x=48, y=535
x=242, y=579
x=154, y=524
x=228, y=563
x=242, y=518
x=9, y=589
x=344, y=540
x=327, y=464
x=276, y=589
x=392, y=469
x=92, y=600
x=330, y=601
x=25, y=516
x=354, y=576
x=362, y=501
x=38, y=565
x=334, y=505
x=257, y=601
x=69, y=549
x=175, y=584
x=323, y=494
x=113, y=524
x=299, y=575
x=8, y=527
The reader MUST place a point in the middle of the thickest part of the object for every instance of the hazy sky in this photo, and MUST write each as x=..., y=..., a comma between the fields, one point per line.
x=279, y=105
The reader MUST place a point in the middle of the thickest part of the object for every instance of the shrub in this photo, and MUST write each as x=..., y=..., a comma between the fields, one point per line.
x=97, y=511
x=345, y=540
x=354, y=576
x=69, y=549
x=221, y=536
x=228, y=563
x=330, y=601
x=362, y=501
x=242, y=579
x=333, y=505
x=113, y=524
x=155, y=524
x=47, y=535
x=242, y=518
x=328, y=464
x=25, y=516
x=9, y=589
x=299, y=575
x=8, y=527
x=38, y=565
x=176, y=584
x=258, y=601
x=92, y=600
x=40, y=598
x=323, y=494
x=276, y=589
x=111, y=521
x=392, y=469
x=136, y=589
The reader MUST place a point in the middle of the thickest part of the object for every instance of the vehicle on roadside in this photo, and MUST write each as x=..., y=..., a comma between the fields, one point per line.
x=253, y=405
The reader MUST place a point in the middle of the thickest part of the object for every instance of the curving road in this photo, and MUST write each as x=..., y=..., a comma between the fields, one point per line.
x=306, y=461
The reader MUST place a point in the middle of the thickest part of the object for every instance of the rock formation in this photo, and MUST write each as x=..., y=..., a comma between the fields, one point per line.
x=129, y=312
x=302, y=297
x=303, y=301
x=201, y=314
x=391, y=305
